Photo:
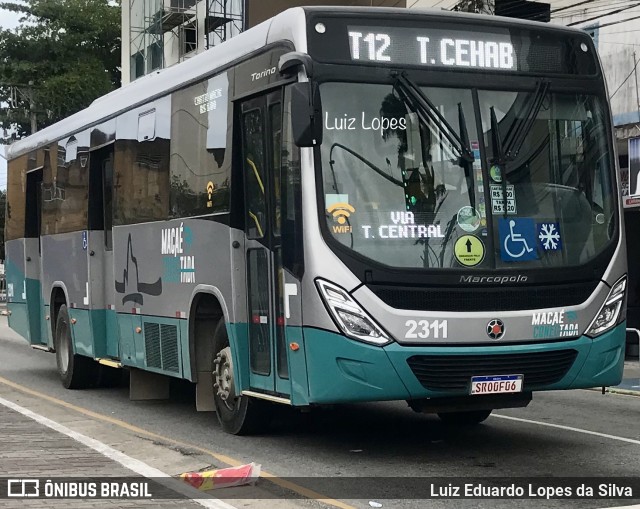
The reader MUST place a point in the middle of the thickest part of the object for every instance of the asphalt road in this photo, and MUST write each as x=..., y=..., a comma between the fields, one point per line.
x=384, y=440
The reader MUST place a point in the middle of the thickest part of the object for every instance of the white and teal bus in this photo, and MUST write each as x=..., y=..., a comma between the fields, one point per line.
x=338, y=205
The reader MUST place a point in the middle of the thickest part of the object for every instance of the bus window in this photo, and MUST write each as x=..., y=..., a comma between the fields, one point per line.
x=254, y=173
x=200, y=135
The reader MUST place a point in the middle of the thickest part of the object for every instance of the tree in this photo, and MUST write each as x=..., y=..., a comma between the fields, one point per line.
x=64, y=54
x=477, y=6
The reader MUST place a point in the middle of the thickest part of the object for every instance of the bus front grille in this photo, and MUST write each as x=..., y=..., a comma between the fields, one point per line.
x=484, y=298
x=454, y=372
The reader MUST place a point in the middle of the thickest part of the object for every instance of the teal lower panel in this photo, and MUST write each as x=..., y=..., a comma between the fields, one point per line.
x=36, y=308
x=295, y=387
x=81, y=332
x=165, y=353
x=342, y=370
x=604, y=365
x=19, y=318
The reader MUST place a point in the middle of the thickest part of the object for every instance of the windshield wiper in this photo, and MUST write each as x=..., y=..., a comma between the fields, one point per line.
x=507, y=151
x=514, y=139
x=427, y=112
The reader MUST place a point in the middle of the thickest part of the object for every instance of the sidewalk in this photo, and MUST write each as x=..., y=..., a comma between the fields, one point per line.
x=29, y=449
x=630, y=379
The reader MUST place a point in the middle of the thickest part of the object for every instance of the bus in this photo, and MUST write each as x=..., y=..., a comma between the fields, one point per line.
x=338, y=205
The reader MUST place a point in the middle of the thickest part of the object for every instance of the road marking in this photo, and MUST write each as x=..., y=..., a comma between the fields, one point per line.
x=137, y=466
x=283, y=483
x=569, y=428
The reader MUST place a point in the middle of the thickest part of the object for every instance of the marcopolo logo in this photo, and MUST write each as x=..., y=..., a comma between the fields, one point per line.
x=501, y=280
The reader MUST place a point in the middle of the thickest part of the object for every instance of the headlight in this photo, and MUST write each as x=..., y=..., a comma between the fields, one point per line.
x=609, y=313
x=352, y=320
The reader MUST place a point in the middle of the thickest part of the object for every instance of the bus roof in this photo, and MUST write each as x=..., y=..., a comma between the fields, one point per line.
x=289, y=25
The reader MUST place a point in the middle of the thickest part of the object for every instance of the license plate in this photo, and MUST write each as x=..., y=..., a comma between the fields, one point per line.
x=496, y=384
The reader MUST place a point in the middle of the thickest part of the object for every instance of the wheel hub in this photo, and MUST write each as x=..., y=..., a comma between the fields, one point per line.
x=223, y=375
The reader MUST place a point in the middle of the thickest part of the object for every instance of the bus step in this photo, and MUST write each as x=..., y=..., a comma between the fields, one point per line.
x=44, y=348
x=112, y=363
x=268, y=397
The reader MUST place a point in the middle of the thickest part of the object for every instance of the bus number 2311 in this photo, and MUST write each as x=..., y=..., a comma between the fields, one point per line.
x=424, y=328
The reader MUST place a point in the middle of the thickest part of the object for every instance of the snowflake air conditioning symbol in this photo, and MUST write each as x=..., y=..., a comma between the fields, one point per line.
x=549, y=236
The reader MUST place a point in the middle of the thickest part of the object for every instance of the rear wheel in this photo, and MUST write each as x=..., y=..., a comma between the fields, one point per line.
x=238, y=415
x=470, y=418
x=76, y=371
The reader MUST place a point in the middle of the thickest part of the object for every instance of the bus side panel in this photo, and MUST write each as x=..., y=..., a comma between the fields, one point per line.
x=16, y=287
x=157, y=267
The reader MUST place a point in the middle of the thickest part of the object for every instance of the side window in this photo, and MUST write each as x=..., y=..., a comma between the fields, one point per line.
x=16, y=180
x=201, y=148
x=253, y=142
x=65, y=185
x=291, y=199
x=51, y=193
x=141, y=164
x=275, y=123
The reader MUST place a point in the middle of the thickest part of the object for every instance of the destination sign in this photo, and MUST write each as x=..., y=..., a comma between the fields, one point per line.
x=432, y=47
x=443, y=44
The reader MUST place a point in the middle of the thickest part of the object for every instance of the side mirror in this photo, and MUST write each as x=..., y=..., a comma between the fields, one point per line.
x=306, y=114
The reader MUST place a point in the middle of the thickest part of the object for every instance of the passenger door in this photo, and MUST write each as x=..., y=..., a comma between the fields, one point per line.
x=31, y=292
x=261, y=127
x=100, y=290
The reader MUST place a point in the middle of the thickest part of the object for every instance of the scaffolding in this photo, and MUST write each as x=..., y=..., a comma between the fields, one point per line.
x=225, y=20
x=194, y=25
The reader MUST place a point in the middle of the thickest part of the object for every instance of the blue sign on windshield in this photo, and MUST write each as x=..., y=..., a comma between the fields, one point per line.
x=517, y=239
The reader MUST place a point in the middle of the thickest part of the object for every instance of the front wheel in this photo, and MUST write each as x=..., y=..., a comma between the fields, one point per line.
x=237, y=414
x=470, y=418
x=76, y=371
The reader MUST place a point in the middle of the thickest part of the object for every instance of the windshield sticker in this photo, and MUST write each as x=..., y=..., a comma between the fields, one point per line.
x=495, y=173
x=517, y=239
x=477, y=162
x=497, y=201
x=347, y=123
x=555, y=324
x=549, y=236
x=469, y=250
x=403, y=227
x=211, y=187
x=468, y=219
x=339, y=207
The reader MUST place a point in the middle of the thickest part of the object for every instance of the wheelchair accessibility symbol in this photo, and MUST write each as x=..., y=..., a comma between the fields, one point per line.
x=517, y=239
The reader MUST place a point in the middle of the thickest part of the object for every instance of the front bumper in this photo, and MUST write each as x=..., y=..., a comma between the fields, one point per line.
x=342, y=370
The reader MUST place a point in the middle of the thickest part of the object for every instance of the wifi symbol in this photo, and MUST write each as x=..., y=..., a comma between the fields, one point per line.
x=341, y=211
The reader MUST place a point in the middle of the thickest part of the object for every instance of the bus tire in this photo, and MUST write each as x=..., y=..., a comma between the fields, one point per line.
x=470, y=418
x=76, y=371
x=238, y=415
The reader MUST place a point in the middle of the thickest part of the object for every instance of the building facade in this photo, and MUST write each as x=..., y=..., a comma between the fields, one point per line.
x=160, y=33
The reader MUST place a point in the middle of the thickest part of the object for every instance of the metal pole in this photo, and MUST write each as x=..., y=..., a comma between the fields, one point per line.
x=635, y=71
x=32, y=108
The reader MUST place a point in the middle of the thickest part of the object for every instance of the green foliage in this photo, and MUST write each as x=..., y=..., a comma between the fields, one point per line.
x=477, y=6
x=69, y=50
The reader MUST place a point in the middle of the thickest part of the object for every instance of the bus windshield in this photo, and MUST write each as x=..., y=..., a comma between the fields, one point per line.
x=525, y=181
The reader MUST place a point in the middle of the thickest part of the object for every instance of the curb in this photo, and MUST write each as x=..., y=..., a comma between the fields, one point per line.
x=615, y=390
